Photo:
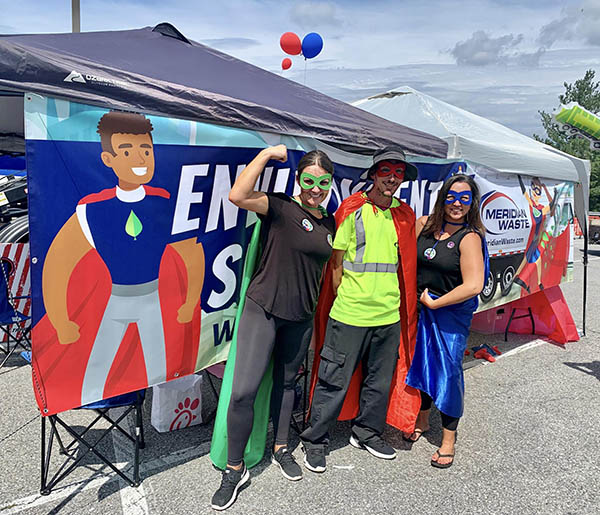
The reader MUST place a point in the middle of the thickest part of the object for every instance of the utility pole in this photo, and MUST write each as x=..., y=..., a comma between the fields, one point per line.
x=75, y=16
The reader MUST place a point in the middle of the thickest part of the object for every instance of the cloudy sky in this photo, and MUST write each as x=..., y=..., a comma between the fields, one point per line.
x=502, y=59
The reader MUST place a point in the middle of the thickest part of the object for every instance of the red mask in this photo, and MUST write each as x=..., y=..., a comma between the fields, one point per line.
x=386, y=168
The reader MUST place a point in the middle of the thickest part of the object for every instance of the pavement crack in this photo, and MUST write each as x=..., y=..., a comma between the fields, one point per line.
x=18, y=429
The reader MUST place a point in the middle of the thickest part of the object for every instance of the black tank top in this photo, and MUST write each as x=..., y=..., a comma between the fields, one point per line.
x=442, y=273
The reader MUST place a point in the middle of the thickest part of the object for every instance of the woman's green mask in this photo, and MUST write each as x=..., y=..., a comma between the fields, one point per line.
x=308, y=181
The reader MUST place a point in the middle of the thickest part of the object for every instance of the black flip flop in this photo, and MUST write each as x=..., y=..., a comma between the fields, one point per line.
x=442, y=465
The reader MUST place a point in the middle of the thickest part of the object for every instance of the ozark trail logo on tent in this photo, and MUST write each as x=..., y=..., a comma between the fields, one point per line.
x=74, y=77
x=88, y=78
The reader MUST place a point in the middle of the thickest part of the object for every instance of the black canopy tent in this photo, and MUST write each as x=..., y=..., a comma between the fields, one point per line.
x=159, y=71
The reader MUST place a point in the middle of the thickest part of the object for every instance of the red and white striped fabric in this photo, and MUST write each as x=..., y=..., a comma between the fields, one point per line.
x=19, y=282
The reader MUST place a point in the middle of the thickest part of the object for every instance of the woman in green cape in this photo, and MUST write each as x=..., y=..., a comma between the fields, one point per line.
x=276, y=322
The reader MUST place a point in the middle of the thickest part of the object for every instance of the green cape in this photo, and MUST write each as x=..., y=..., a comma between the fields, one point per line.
x=256, y=443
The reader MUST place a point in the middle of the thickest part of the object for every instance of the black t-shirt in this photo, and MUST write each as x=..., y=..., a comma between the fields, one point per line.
x=442, y=273
x=295, y=247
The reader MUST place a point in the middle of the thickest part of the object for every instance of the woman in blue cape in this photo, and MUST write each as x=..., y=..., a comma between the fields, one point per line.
x=451, y=265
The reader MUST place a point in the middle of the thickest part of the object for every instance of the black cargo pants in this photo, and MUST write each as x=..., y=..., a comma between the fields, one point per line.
x=344, y=348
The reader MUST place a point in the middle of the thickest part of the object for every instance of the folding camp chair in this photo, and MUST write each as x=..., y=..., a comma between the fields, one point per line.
x=80, y=446
x=74, y=453
x=302, y=376
x=15, y=325
x=217, y=371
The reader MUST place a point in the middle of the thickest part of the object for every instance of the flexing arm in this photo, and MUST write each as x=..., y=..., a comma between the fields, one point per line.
x=242, y=193
x=67, y=249
x=192, y=254
x=337, y=268
x=471, y=267
x=523, y=189
x=552, y=201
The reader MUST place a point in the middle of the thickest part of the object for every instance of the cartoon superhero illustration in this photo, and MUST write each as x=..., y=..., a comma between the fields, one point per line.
x=129, y=228
x=539, y=237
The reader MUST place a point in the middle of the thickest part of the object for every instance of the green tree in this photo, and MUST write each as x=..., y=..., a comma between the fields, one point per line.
x=586, y=93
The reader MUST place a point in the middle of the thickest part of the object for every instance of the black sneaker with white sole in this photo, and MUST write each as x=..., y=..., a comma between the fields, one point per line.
x=231, y=482
x=287, y=464
x=376, y=446
x=314, y=458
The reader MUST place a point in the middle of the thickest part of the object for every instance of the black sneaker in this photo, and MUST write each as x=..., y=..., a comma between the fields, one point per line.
x=314, y=458
x=231, y=482
x=376, y=446
x=287, y=464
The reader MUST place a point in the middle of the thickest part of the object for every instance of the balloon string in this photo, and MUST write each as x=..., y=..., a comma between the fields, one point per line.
x=305, y=61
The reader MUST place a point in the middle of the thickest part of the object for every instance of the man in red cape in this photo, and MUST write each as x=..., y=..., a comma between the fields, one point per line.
x=122, y=299
x=343, y=350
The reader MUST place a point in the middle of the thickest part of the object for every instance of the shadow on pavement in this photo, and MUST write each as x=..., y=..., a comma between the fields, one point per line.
x=592, y=368
x=592, y=252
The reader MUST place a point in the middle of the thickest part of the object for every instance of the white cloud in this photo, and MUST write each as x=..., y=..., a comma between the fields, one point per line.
x=481, y=49
x=579, y=22
x=511, y=95
x=373, y=46
x=313, y=15
x=231, y=43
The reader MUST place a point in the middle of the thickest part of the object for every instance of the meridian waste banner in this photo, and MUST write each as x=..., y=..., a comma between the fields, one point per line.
x=529, y=234
x=137, y=253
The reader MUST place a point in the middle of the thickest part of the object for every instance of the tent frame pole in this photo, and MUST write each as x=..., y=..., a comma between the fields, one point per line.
x=585, y=275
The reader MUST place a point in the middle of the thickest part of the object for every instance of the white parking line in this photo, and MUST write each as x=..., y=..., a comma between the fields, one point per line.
x=590, y=258
x=133, y=500
x=517, y=350
x=146, y=469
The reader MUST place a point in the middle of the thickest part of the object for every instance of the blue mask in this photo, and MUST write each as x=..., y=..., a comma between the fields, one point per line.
x=464, y=197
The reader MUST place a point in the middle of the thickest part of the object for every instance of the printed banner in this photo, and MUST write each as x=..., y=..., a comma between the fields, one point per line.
x=529, y=236
x=136, y=251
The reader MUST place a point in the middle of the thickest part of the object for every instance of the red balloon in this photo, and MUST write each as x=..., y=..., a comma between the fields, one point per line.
x=286, y=63
x=290, y=43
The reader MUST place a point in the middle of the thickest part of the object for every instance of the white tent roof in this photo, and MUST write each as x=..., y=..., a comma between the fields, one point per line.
x=478, y=140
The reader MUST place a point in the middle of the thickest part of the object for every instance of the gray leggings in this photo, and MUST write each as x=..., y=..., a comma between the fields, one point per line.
x=260, y=335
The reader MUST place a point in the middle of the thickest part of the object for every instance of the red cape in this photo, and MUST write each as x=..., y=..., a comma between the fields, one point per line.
x=405, y=401
x=58, y=370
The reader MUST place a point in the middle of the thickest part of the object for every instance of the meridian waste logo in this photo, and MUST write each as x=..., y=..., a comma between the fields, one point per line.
x=88, y=78
x=501, y=214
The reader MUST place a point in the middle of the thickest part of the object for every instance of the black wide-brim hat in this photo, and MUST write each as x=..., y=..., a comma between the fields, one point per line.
x=392, y=153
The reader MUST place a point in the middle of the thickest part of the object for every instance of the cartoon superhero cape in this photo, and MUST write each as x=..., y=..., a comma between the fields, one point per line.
x=405, y=401
x=532, y=233
x=255, y=447
x=58, y=370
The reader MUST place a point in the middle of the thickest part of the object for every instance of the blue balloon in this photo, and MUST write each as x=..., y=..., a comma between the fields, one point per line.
x=312, y=44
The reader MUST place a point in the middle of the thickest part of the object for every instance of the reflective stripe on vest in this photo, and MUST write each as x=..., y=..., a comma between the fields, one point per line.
x=386, y=268
x=361, y=243
x=361, y=239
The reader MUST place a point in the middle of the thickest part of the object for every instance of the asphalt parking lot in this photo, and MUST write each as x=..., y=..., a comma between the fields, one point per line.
x=528, y=443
